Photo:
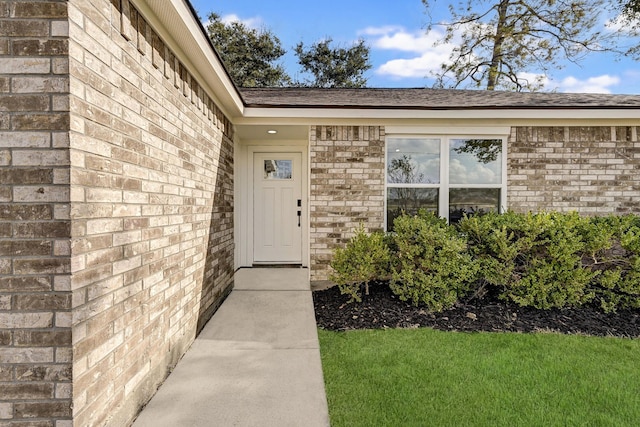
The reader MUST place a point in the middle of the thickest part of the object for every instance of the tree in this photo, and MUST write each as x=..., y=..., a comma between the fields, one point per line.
x=334, y=66
x=629, y=22
x=249, y=55
x=405, y=200
x=485, y=150
x=501, y=40
x=631, y=7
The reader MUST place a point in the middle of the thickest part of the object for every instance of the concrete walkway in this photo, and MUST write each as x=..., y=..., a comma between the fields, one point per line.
x=256, y=363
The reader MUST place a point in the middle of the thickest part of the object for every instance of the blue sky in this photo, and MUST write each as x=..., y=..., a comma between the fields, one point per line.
x=402, y=52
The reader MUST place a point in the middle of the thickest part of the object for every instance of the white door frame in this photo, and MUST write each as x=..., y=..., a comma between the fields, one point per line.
x=245, y=239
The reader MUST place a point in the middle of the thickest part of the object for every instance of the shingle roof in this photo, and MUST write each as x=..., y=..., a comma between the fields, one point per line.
x=430, y=99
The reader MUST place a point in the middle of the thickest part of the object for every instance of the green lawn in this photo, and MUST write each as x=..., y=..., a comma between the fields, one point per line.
x=422, y=377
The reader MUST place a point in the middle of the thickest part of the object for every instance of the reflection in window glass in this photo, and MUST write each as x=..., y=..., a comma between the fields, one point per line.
x=409, y=201
x=475, y=161
x=472, y=201
x=278, y=169
x=413, y=161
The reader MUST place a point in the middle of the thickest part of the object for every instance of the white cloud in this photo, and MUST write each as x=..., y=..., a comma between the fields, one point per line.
x=377, y=31
x=571, y=84
x=255, y=22
x=423, y=57
x=616, y=24
x=399, y=39
x=420, y=66
x=472, y=172
x=427, y=56
x=597, y=84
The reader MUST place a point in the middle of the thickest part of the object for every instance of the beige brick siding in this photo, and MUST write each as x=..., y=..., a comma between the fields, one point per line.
x=152, y=209
x=116, y=211
x=116, y=204
x=347, y=188
x=35, y=292
x=592, y=170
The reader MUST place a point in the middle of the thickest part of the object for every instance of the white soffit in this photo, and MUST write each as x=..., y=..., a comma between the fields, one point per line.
x=183, y=35
x=282, y=132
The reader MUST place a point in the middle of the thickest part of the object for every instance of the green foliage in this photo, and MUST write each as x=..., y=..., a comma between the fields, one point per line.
x=535, y=258
x=542, y=260
x=597, y=234
x=251, y=58
x=249, y=55
x=364, y=259
x=334, y=66
x=494, y=245
x=618, y=285
x=431, y=264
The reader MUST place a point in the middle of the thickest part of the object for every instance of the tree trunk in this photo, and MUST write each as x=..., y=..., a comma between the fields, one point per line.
x=498, y=40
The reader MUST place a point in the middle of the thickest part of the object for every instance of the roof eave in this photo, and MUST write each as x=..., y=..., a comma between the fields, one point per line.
x=467, y=112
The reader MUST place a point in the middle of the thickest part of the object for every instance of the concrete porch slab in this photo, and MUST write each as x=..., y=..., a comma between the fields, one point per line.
x=256, y=363
x=272, y=279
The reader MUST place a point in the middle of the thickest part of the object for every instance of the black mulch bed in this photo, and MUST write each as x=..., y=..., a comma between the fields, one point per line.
x=381, y=309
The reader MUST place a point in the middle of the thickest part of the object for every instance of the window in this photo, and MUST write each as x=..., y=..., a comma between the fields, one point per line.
x=277, y=169
x=450, y=176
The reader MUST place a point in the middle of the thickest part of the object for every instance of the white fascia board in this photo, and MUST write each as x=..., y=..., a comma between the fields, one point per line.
x=178, y=28
x=381, y=116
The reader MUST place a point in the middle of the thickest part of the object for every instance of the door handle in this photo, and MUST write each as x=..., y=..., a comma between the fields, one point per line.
x=299, y=216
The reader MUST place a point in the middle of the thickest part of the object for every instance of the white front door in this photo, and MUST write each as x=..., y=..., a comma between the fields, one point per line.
x=277, y=208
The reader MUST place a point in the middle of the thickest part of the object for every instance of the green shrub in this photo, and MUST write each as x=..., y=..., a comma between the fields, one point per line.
x=536, y=259
x=598, y=235
x=618, y=285
x=364, y=259
x=431, y=264
x=543, y=260
x=494, y=245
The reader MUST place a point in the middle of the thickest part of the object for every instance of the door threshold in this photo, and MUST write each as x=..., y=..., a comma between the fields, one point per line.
x=268, y=265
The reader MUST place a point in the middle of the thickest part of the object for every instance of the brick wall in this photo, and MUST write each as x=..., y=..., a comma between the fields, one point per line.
x=152, y=209
x=35, y=293
x=347, y=188
x=592, y=170
x=116, y=211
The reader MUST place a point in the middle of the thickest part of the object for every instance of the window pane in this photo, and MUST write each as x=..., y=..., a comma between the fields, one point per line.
x=472, y=201
x=475, y=161
x=409, y=201
x=413, y=161
x=277, y=169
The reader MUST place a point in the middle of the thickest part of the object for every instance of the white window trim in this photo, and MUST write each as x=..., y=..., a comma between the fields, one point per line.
x=444, y=185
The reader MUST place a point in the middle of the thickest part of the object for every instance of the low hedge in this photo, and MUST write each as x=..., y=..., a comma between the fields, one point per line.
x=543, y=260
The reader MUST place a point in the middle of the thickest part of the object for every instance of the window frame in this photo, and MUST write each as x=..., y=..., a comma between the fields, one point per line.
x=444, y=186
